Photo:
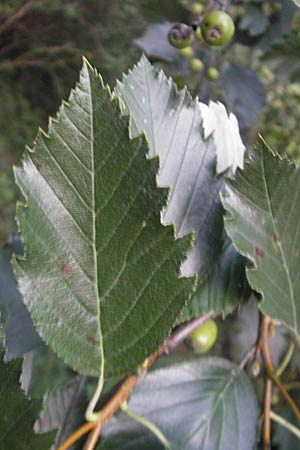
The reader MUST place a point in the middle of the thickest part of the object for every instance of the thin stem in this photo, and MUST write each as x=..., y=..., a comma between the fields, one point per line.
x=286, y=395
x=247, y=356
x=289, y=426
x=93, y=437
x=285, y=362
x=77, y=435
x=267, y=410
x=142, y=420
x=269, y=366
x=90, y=415
x=123, y=392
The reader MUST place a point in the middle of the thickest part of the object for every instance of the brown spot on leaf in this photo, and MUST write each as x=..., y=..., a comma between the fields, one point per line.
x=91, y=340
x=37, y=165
x=275, y=238
x=66, y=268
x=259, y=251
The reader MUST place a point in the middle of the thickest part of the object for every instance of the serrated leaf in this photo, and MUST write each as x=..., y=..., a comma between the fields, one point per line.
x=263, y=203
x=63, y=409
x=172, y=122
x=225, y=133
x=20, y=335
x=206, y=403
x=225, y=288
x=100, y=276
x=18, y=413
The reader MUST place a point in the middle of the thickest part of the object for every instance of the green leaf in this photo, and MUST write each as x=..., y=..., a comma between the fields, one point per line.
x=43, y=371
x=172, y=122
x=207, y=403
x=263, y=203
x=18, y=413
x=19, y=332
x=64, y=410
x=100, y=276
x=224, y=289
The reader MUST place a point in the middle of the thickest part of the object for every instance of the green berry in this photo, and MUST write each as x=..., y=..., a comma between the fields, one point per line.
x=196, y=8
x=186, y=52
x=275, y=399
x=196, y=65
x=181, y=35
x=198, y=34
x=204, y=337
x=212, y=73
x=217, y=28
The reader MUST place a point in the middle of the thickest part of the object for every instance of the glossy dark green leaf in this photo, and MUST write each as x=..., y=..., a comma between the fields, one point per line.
x=100, y=276
x=173, y=125
x=225, y=288
x=18, y=413
x=20, y=335
x=264, y=225
x=244, y=93
x=206, y=403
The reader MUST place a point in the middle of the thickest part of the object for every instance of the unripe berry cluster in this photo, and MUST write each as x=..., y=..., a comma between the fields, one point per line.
x=215, y=28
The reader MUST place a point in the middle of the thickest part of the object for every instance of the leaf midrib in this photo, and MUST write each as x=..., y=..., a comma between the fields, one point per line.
x=94, y=240
x=276, y=232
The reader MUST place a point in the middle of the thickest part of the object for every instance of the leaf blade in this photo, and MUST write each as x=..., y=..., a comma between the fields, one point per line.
x=264, y=226
x=187, y=402
x=93, y=200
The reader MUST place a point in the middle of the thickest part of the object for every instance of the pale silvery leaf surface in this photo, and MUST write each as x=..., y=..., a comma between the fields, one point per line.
x=173, y=124
x=224, y=130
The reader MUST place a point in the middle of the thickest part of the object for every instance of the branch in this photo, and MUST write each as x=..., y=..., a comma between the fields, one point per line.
x=269, y=366
x=123, y=392
x=15, y=16
x=267, y=411
x=285, y=424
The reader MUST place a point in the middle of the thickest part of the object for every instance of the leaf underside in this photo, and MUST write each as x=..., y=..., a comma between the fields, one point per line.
x=100, y=276
x=173, y=125
x=264, y=225
x=204, y=404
